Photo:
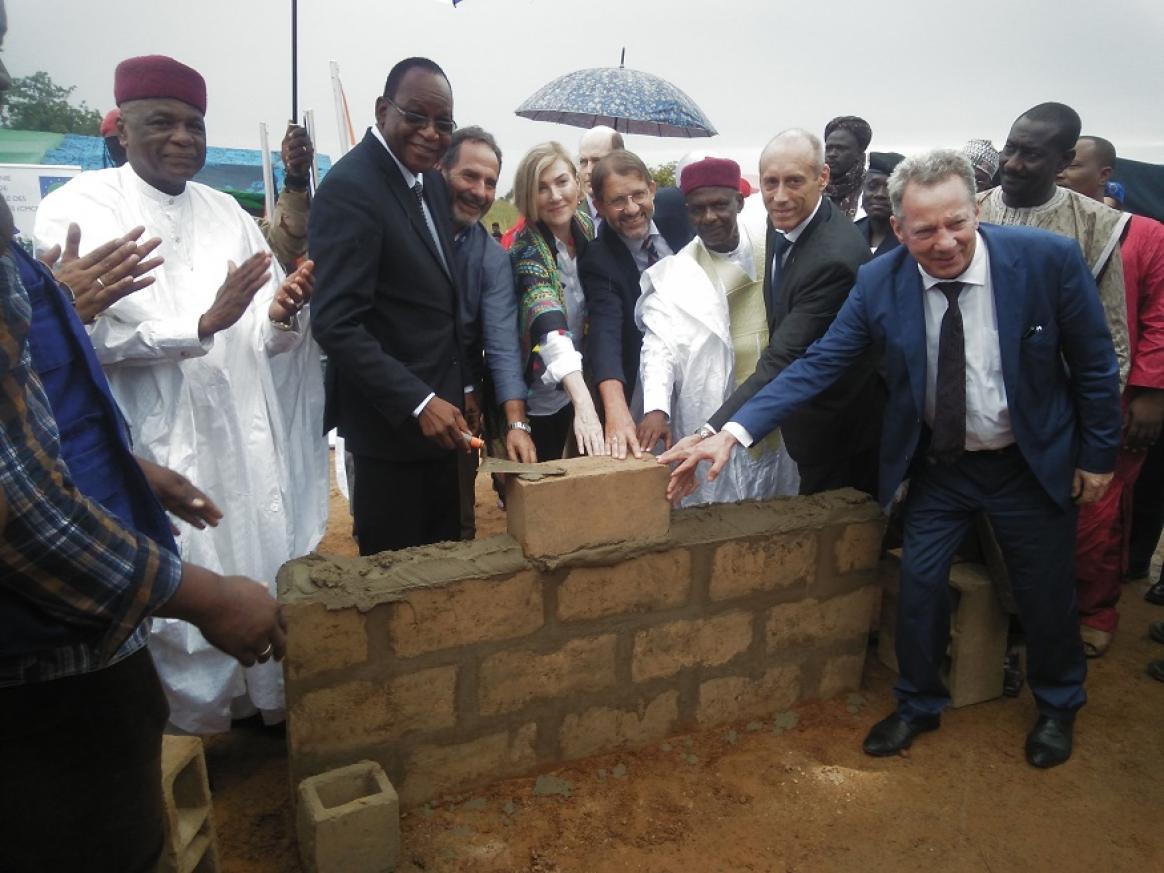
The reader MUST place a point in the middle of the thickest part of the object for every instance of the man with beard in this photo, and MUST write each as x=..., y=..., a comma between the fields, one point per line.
x=845, y=139
x=470, y=169
x=874, y=224
x=213, y=366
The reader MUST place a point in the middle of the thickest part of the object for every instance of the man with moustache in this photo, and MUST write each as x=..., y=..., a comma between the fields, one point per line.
x=213, y=366
x=388, y=315
x=812, y=255
x=469, y=171
x=983, y=416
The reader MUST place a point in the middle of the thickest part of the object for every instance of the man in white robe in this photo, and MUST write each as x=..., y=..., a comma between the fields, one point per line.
x=213, y=367
x=704, y=327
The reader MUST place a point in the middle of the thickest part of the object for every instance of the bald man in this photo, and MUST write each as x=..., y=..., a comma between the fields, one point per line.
x=596, y=144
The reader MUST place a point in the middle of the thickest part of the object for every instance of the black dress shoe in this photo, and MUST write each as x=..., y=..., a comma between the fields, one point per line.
x=1049, y=742
x=1155, y=594
x=1156, y=670
x=890, y=735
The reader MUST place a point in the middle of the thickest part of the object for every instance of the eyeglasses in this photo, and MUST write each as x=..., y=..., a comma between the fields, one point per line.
x=619, y=204
x=415, y=119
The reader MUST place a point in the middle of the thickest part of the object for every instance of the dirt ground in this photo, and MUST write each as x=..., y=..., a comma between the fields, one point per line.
x=793, y=793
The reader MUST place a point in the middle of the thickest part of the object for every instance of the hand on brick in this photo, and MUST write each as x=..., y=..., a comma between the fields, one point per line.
x=443, y=423
x=587, y=427
x=236, y=615
x=103, y=276
x=655, y=426
x=688, y=453
x=620, y=427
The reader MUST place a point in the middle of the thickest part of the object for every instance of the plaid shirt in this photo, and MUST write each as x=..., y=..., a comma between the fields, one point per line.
x=61, y=555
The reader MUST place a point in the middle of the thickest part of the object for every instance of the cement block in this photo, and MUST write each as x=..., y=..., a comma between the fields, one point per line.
x=708, y=642
x=661, y=580
x=191, y=845
x=511, y=679
x=978, y=631
x=744, y=567
x=601, y=729
x=600, y=501
x=349, y=821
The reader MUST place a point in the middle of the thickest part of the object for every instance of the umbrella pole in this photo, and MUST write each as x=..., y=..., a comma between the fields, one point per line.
x=294, y=59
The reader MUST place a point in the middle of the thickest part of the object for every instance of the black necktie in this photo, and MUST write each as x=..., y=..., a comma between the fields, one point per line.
x=418, y=190
x=949, y=428
x=779, y=247
x=651, y=252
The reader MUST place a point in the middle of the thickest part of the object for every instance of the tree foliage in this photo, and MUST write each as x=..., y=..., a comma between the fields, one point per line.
x=37, y=103
x=664, y=174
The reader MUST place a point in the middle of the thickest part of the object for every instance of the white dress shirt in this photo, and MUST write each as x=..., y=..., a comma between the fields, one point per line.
x=987, y=413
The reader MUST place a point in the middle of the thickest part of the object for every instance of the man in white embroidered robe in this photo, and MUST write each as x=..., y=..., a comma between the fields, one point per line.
x=704, y=327
x=218, y=380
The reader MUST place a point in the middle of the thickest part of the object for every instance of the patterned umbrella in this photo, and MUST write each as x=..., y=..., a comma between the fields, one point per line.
x=630, y=101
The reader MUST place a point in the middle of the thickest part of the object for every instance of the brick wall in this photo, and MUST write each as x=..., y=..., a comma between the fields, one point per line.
x=459, y=664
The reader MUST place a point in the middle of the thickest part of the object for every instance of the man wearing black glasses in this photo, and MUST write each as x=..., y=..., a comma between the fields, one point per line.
x=386, y=314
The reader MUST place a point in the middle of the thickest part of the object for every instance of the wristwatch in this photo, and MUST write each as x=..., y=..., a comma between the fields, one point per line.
x=705, y=431
x=520, y=425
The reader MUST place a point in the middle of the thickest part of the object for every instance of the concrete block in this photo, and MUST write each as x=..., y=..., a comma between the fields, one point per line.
x=508, y=680
x=708, y=642
x=810, y=622
x=732, y=698
x=745, y=567
x=191, y=844
x=661, y=580
x=434, y=770
x=349, y=821
x=978, y=631
x=358, y=712
x=978, y=635
x=600, y=501
x=456, y=614
x=859, y=546
x=601, y=729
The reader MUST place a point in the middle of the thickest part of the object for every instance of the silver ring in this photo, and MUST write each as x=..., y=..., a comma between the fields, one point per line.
x=100, y=284
x=267, y=651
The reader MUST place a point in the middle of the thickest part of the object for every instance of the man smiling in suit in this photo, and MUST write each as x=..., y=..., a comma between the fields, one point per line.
x=976, y=324
x=387, y=316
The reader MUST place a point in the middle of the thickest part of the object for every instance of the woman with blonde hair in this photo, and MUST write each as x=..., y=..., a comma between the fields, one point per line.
x=551, y=305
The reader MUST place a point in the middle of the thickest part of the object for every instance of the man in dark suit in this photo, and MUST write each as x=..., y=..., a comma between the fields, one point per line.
x=813, y=254
x=976, y=324
x=385, y=311
x=629, y=240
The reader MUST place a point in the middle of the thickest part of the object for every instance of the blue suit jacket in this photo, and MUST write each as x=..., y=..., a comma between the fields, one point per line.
x=1048, y=315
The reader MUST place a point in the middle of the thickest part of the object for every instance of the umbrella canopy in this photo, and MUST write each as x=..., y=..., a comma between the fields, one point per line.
x=630, y=101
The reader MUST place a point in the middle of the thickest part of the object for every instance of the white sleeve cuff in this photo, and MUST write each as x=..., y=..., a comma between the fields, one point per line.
x=740, y=433
x=416, y=412
x=560, y=357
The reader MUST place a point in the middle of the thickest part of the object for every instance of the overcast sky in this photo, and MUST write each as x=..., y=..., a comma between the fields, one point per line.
x=922, y=72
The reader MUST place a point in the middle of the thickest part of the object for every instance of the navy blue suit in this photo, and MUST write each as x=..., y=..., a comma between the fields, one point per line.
x=1062, y=389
